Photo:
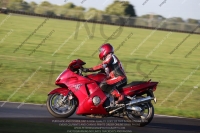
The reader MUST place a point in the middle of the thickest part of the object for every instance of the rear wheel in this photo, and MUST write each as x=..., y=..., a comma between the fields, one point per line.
x=59, y=108
x=143, y=117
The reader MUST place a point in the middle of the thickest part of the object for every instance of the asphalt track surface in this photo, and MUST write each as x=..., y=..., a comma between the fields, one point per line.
x=160, y=123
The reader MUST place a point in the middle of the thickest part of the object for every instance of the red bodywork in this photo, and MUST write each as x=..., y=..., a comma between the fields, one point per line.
x=86, y=87
x=139, y=88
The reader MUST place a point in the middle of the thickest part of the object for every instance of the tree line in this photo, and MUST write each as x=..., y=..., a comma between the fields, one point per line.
x=118, y=8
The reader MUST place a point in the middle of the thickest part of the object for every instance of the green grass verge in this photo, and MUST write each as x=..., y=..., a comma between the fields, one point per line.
x=177, y=75
x=177, y=112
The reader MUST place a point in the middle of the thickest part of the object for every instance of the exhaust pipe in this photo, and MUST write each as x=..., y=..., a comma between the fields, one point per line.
x=115, y=110
x=134, y=108
x=135, y=101
x=141, y=100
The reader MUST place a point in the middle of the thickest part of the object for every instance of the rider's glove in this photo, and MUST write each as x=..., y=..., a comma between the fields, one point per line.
x=85, y=69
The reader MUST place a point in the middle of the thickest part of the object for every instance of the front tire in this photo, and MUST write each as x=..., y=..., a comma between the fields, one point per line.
x=60, y=109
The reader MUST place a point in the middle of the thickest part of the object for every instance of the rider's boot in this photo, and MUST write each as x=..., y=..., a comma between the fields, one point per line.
x=116, y=94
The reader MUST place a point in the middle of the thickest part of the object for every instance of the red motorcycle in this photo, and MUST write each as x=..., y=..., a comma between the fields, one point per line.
x=83, y=92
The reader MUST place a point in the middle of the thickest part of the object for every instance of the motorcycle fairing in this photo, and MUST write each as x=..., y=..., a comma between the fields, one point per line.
x=62, y=91
x=84, y=89
x=99, y=77
x=138, y=88
x=86, y=105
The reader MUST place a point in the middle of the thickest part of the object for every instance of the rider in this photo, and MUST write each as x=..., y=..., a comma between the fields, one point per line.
x=115, y=74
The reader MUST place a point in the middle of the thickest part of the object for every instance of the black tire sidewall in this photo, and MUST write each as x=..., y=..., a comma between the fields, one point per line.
x=149, y=118
x=71, y=112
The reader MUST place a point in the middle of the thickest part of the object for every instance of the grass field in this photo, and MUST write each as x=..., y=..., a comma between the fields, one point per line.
x=21, y=74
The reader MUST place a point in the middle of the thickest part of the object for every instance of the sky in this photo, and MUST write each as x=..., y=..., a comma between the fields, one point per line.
x=166, y=8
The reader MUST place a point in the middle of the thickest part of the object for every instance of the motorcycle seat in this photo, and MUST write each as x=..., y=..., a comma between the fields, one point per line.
x=134, y=83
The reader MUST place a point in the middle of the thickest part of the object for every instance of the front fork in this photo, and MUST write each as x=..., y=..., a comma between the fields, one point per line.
x=69, y=97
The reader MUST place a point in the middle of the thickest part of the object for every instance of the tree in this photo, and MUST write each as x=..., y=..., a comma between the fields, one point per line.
x=121, y=9
x=69, y=5
x=46, y=3
x=45, y=8
x=174, y=23
x=153, y=16
x=192, y=24
x=3, y=3
x=15, y=5
x=193, y=21
x=175, y=19
x=18, y=5
x=94, y=9
x=60, y=11
x=68, y=9
x=32, y=5
x=25, y=6
x=146, y=16
x=97, y=14
x=79, y=8
x=151, y=20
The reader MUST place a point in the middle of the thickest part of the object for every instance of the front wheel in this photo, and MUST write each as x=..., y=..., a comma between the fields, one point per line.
x=59, y=108
x=143, y=117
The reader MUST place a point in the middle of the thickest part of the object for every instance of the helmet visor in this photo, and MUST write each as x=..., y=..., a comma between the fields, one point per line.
x=100, y=50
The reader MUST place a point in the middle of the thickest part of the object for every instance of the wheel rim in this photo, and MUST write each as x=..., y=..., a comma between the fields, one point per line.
x=142, y=116
x=58, y=107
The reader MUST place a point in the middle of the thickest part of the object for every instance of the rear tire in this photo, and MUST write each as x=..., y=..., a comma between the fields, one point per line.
x=142, y=120
x=64, y=110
